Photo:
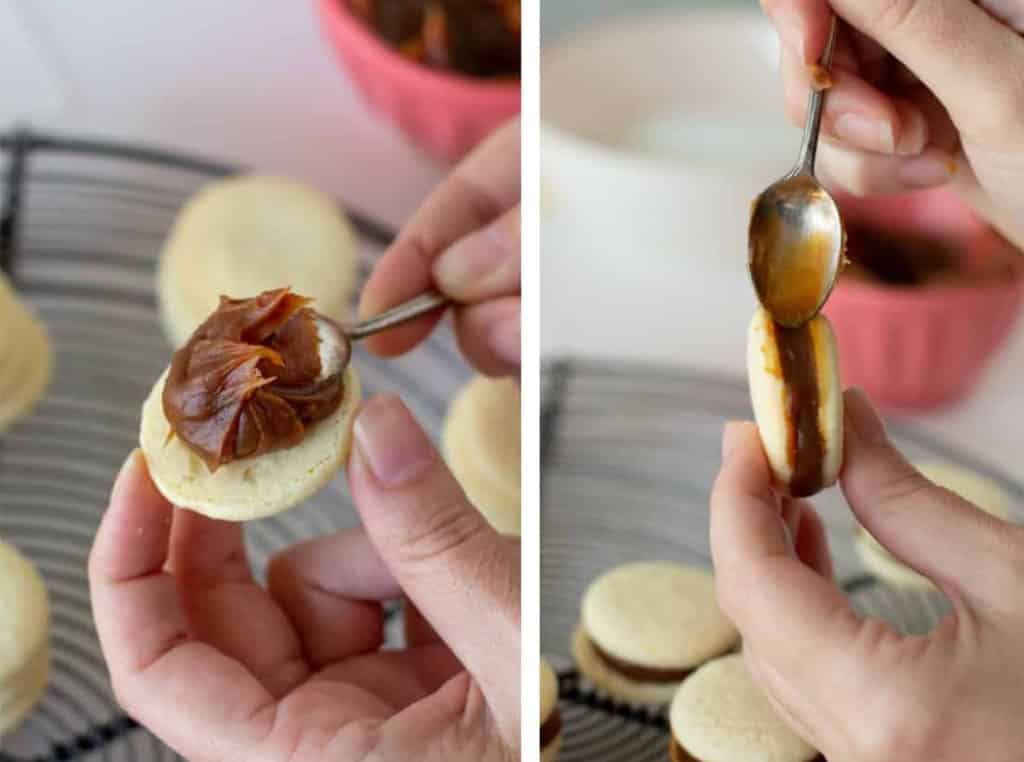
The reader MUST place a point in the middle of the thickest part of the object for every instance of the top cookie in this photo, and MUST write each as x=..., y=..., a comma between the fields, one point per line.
x=720, y=715
x=657, y=614
x=248, y=234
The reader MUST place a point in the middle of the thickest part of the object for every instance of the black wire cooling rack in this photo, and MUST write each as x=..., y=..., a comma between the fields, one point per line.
x=628, y=456
x=81, y=227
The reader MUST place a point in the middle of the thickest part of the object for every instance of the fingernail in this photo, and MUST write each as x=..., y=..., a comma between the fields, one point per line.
x=506, y=340
x=128, y=464
x=730, y=438
x=475, y=259
x=390, y=441
x=871, y=134
x=925, y=172
x=866, y=422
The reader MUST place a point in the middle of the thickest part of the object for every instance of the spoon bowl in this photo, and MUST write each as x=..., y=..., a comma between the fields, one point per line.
x=796, y=235
x=796, y=248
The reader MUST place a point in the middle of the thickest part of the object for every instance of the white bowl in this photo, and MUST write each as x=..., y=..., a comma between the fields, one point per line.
x=659, y=130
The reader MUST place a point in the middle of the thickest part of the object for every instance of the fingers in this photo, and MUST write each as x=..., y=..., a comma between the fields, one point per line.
x=960, y=51
x=143, y=632
x=479, y=191
x=865, y=174
x=794, y=617
x=489, y=335
x=461, y=575
x=331, y=589
x=401, y=677
x=811, y=544
x=961, y=548
x=803, y=25
x=483, y=264
x=205, y=552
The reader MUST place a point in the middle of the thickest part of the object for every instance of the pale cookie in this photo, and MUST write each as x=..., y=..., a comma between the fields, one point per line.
x=720, y=715
x=971, y=486
x=481, y=443
x=26, y=358
x=797, y=398
x=24, y=637
x=550, y=717
x=249, y=488
x=249, y=234
x=645, y=626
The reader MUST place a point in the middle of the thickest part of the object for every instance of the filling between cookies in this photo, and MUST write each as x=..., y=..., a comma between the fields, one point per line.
x=254, y=376
x=551, y=729
x=806, y=446
x=638, y=672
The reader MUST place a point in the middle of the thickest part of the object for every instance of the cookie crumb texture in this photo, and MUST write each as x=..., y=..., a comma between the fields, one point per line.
x=720, y=715
x=481, y=443
x=24, y=638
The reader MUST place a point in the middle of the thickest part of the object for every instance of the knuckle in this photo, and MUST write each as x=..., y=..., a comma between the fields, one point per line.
x=904, y=486
x=443, y=529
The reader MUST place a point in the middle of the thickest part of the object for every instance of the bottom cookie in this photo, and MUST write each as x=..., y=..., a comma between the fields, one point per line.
x=615, y=685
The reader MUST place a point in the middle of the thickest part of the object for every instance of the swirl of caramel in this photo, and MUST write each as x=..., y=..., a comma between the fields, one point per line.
x=252, y=377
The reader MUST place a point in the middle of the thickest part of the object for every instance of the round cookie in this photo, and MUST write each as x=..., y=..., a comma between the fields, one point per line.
x=645, y=626
x=26, y=358
x=249, y=234
x=481, y=443
x=773, y=354
x=550, y=717
x=971, y=486
x=249, y=488
x=24, y=637
x=720, y=715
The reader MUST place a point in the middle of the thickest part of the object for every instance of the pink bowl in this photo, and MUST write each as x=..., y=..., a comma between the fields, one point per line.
x=918, y=348
x=444, y=113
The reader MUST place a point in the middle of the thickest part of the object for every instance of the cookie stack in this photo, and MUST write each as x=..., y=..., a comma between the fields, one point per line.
x=26, y=358
x=247, y=234
x=24, y=637
x=481, y=445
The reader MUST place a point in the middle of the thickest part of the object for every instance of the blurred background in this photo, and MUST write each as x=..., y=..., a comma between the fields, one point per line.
x=662, y=121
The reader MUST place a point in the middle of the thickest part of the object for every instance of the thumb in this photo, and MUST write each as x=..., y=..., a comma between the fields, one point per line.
x=958, y=546
x=964, y=54
x=461, y=574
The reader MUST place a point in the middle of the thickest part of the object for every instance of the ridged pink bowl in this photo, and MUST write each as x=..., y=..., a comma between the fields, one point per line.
x=921, y=347
x=444, y=113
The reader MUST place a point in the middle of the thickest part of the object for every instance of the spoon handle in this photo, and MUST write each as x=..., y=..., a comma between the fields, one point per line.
x=809, y=145
x=404, y=312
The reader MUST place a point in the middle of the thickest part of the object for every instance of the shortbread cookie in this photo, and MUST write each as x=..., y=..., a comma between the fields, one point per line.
x=248, y=234
x=645, y=627
x=720, y=715
x=26, y=358
x=24, y=637
x=481, y=443
x=971, y=486
x=550, y=716
x=798, y=402
x=255, y=412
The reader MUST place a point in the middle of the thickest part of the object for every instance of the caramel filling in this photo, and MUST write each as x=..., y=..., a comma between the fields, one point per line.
x=806, y=446
x=679, y=754
x=551, y=728
x=250, y=380
x=639, y=672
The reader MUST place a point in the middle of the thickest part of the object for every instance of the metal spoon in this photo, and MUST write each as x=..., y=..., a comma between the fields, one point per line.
x=410, y=310
x=796, y=235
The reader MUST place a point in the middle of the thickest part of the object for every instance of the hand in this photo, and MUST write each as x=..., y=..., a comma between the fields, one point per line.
x=852, y=686
x=224, y=670
x=465, y=242
x=952, y=111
